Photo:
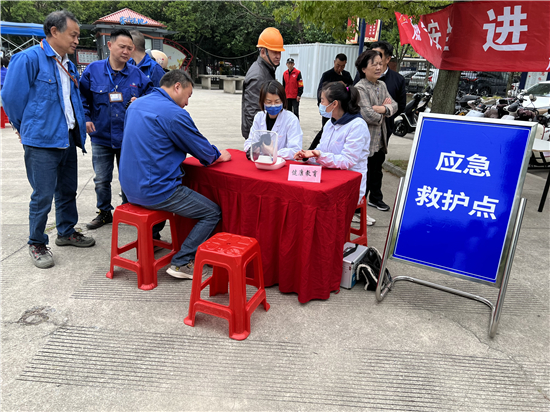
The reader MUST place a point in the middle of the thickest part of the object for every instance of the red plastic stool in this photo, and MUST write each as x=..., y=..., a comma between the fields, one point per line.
x=229, y=255
x=146, y=265
x=362, y=231
x=3, y=118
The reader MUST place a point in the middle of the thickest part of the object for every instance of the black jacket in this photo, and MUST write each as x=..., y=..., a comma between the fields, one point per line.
x=331, y=76
x=259, y=73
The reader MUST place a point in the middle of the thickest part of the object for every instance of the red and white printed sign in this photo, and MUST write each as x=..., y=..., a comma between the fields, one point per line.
x=372, y=31
x=483, y=35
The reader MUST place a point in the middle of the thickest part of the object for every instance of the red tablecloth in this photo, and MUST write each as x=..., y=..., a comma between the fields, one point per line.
x=301, y=227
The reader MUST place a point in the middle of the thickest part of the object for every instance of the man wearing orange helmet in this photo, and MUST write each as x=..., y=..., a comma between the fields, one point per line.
x=270, y=44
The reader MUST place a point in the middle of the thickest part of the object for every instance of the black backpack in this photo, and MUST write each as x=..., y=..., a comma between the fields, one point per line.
x=369, y=268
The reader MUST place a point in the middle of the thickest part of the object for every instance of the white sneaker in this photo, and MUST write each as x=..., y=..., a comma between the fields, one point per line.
x=356, y=218
x=370, y=221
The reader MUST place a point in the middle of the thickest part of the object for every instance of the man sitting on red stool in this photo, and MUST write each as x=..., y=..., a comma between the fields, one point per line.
x=158, y=135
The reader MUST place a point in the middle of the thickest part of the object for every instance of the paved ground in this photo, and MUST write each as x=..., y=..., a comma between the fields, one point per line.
x=73, y=340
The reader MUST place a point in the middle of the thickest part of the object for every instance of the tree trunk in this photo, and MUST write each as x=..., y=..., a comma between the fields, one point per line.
x=445, y=92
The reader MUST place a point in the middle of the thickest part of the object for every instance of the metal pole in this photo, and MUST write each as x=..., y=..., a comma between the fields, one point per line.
x=380, y=294
x=362, y=29
x=495, y=318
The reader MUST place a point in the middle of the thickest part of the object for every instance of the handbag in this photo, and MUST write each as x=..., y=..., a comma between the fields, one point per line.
x=369, y=268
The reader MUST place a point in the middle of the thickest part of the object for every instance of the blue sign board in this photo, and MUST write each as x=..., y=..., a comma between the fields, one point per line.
x=461, y=195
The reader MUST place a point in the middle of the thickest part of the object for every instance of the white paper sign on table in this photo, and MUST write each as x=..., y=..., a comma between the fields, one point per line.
x=304, y=173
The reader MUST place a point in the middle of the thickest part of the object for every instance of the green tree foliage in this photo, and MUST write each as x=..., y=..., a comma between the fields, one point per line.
x=332, y=16
x=224, y=28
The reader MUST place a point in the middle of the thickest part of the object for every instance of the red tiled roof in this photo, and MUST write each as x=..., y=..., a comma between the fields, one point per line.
x=129, y=17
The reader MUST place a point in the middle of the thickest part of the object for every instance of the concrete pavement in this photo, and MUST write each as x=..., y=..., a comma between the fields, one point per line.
x=73, y=340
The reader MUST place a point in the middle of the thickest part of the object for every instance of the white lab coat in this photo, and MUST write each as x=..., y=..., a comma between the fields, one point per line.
x=287, y=126
x=345, y=146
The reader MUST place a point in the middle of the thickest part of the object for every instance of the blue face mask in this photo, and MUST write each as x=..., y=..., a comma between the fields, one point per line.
x=274, y=110
x=323, y=111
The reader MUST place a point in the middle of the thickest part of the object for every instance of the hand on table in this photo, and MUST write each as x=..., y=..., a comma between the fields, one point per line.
x=306, y=154
x=224, y=157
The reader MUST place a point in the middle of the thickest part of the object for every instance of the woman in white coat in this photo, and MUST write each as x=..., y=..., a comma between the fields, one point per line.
x=346, y=139
x=276, y=119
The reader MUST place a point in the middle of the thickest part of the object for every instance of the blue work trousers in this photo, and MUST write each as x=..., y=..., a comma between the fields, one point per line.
x=52, y=173
x=103, y=159
x=188, y=203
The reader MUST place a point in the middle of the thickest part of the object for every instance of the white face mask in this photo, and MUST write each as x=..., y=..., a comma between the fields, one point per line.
x=323, y=110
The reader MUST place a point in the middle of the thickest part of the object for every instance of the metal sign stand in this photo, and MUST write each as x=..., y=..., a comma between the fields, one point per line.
x=480, y=245
x=385, y=283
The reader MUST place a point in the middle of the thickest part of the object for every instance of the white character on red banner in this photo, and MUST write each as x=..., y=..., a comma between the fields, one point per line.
x=449, y=30
x=434, y=35
x=511, y=24
x=416, y=35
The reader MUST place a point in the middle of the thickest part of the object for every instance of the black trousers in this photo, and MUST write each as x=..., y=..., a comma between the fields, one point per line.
x=293, y=105
x=317, y=138
x=374, y=176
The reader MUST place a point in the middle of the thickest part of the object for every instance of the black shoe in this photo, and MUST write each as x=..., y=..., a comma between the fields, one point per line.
x=41, y=256
x=76, y=239
x=379, y=205
x=103, y=217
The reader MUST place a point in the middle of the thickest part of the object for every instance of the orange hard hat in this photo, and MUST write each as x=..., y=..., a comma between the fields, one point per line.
x=271, y=39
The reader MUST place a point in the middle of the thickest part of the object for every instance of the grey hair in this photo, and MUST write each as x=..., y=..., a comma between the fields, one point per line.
x=138, y=39
x=177, y=76
x=58, y=19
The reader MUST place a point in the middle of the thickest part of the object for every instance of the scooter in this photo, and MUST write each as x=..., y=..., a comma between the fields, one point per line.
x=407, y=122
x=461, y=103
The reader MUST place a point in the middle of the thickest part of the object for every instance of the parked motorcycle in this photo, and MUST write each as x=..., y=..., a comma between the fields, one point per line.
x=461, y=103
x=418, y=104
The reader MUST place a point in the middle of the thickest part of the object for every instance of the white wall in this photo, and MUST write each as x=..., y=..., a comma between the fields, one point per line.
x=315, y=59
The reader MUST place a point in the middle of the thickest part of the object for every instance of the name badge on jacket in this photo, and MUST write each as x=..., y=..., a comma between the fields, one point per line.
x=115, y=97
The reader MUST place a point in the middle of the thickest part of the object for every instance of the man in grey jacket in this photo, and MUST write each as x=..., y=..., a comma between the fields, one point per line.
x=270, y=44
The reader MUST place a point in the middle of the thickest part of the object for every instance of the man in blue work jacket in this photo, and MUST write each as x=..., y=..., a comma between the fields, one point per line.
x=157, y=138
x=107, y=88
x=143, y=61
x=40, y=97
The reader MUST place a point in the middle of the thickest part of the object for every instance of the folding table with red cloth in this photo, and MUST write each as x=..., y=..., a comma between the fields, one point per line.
x=301, y=227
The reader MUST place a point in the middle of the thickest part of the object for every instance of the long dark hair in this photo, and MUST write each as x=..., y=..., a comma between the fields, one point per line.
x=347, y=96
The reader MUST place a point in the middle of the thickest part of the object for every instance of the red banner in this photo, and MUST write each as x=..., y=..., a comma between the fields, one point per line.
x=500, y=36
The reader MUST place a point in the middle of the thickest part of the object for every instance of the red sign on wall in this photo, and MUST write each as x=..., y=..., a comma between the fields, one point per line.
x=483, y=35
x=372, y=31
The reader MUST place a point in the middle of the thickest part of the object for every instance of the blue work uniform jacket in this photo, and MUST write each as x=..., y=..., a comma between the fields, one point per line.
x=157, y=137
x=95, y=85
x=32, y=97
x=150, y=68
